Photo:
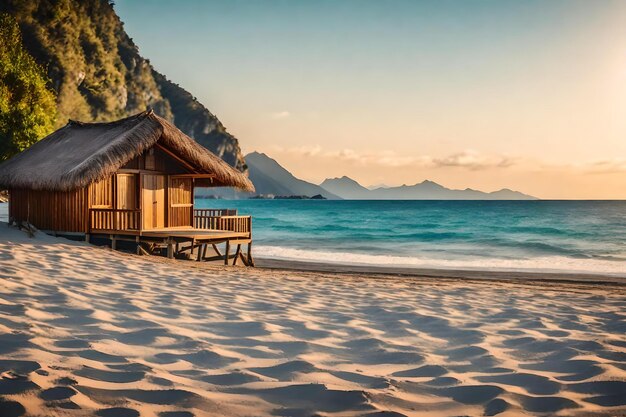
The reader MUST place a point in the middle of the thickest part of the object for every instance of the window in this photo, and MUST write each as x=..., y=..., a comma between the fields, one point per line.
x=127, y=191
x=102, y=193
x=149, y=160
x=180, y=192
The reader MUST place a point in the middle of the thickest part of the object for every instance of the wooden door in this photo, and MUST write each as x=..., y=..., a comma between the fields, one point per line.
x=153, y=201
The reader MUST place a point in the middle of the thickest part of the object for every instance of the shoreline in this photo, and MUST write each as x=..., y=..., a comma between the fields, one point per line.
x=452, y=272
x=439, y=273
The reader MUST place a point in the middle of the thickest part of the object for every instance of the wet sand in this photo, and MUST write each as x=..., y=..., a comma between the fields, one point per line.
x=88, y=331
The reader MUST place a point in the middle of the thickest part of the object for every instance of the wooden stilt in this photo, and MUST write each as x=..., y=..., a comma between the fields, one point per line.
x=170, y=249
x=237, y=253
x=138, y=245
x=142, y=251
x=87, y=237
x=200, y=249
x=250, y=259
x=113, y=242
x=216, y=249
x=243, y=259
x=227, y=252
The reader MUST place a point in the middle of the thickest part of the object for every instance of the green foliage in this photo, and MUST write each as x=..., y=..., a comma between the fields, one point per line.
x=95, y=67
x=27, y=106
x=98, y=74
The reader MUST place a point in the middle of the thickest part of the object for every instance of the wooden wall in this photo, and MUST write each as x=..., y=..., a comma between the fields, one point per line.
x=51, y=210
x=181, y=202
x=69, y=211
x=101, y=194
x=155, y=159
x=127, y=191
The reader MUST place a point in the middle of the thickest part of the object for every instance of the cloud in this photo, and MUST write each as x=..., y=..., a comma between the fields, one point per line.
x=471, y=160
x=280, y=115
x=603, y=166
x=299, y=150
x=607, y=166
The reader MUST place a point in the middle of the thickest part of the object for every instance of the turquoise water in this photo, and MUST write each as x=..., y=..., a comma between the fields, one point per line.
x=510, y=235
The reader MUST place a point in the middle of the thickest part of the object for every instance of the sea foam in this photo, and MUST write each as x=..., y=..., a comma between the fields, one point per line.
x=538, y=264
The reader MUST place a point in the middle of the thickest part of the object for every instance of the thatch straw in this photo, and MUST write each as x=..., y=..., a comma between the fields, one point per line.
x=81, y=153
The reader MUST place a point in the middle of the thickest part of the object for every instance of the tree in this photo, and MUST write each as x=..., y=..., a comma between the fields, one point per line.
x=27, y=105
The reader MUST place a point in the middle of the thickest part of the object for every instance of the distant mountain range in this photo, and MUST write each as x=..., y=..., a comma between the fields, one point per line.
x=269, y=177
x=348, y=188
x=272, y=179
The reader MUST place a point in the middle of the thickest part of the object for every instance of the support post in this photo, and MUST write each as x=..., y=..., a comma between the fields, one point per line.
x=113, y=242
x=170, y=249
x=237, y=253
x=250, y=259
x=199, y=257
x=227, y=252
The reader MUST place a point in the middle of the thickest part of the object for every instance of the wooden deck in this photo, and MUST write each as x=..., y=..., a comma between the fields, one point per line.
x=193, y=233
x=211, y=227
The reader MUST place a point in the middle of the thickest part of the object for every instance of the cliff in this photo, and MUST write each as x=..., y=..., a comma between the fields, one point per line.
x=97, y=73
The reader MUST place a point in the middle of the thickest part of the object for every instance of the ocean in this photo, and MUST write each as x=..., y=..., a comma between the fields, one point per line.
x=572, y=236
x=542, y=236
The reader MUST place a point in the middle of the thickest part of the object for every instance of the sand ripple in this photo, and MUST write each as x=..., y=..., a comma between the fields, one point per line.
x=86, y=331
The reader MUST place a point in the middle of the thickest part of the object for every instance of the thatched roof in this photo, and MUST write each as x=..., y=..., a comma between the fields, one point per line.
x=81, y=153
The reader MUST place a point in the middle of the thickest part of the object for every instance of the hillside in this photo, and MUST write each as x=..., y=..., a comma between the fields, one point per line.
x=427, y=190
x=97, y=73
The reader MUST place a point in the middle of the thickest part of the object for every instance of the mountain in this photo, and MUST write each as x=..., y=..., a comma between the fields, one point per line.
x=269, y=177
x=97, y=73
x=347, y=188
x=373, y=187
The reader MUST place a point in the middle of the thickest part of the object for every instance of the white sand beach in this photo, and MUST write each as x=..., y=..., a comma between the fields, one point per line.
x=89, y=331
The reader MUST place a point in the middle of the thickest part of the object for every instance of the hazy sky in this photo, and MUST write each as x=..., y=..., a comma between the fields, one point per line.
x=529, y=95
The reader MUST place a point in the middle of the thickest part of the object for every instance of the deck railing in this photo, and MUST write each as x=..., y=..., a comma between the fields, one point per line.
x=114, y=219
x=222, y=219
x=206, y=218
x=128, y=219
x=240, y=224
x=214, y=212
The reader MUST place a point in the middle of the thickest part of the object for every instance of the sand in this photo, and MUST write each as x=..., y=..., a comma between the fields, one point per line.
x=88, y=331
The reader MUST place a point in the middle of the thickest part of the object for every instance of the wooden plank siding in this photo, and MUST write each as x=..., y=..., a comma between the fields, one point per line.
x=155, y=160
x=181, y=202
x=51, y=210
x=101, y=194
x=127, y=191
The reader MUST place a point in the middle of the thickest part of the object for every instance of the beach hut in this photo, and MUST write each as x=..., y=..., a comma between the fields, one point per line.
x=132, y=179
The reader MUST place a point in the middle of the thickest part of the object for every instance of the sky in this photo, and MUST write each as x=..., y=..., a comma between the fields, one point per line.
x=528, y=95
